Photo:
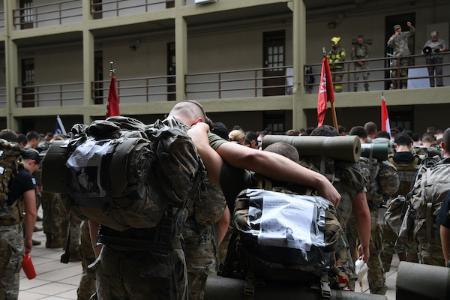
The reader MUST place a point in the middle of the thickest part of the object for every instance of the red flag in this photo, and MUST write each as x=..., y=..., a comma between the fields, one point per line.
x=326, y=91
x=113, y=99
x=385, y=126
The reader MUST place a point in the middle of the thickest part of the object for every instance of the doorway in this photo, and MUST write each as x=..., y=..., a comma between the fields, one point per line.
x=28, y=92
x=274, y=55
x=171, y=72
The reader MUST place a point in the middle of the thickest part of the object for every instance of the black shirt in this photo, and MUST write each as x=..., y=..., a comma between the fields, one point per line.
x=21, y=183
x=444, y=217
x=403, y=157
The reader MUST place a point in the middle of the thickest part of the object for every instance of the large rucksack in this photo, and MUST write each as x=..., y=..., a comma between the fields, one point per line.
x=425, y=199
x=267, y=241
x=124, y=174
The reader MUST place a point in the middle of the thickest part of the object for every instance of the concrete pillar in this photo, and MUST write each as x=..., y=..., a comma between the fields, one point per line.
x=299, y=59
x=11, y=66
x=181, y=56
x=179, y=3
x=88, y=66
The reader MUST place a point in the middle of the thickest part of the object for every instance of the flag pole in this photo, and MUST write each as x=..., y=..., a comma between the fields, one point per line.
x=111, y=69
x=333, y=109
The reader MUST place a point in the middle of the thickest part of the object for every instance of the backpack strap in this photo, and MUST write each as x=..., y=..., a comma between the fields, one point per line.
x=325, y=286
x=429, y=222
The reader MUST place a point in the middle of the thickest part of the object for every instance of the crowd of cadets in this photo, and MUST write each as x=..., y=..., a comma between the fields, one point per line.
x=57, y=219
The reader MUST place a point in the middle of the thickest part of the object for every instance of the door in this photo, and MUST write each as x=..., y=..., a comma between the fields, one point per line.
x=273, y=63
x=401, y=117
x=97, y=9
x=390, y=21
x=170, y=3
x=28, y=92
x=171, y=72
x=26, y=14
x=275, y=122
x=98, y=77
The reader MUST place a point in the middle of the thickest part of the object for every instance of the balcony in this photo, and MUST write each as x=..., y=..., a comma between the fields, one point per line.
x=384, y=74
x=246, y=83
x=51, y=14
x=117, y=8
x=2, y=97
x=2, y=20
x=45, y=95
x=137, y=90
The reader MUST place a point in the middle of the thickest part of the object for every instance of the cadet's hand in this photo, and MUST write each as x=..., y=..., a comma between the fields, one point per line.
x=327, y=190
x=364, y=252
x=409, y=24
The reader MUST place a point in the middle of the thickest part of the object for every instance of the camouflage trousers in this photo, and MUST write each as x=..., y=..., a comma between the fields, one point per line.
x=11, y=253
x=200, y=251
x=431, y=253
x=344, y=261
x=86, y=287
x=375, y=274
x=405, y=252
x=55, y=219
x=140, y=275
x=360, y=72
x=400, y=70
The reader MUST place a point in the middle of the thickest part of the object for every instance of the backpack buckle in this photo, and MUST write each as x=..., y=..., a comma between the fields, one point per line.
x=325, y=287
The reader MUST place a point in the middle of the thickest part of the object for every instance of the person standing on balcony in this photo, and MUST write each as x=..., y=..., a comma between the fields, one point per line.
x=432, y=49
x=399, y=42
x=360, y=52
x=336, y=56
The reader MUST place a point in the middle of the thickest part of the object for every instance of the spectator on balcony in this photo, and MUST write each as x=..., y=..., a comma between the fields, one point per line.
x=360, y=52
x=399, y=42
x=432, y=50
x=337, y=57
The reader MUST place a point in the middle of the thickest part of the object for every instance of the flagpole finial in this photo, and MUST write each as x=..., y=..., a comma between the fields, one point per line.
x=111, y=68
x=324, y=52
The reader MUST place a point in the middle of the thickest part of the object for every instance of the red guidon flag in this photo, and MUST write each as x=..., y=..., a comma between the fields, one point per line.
x=112, y=108
x=385, y=126
x=326, y=91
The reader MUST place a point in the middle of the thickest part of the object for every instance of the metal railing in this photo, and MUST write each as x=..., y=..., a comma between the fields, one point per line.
x=2, y=97
x=137, y=90
x=2, y=20
x=58, y=94
x=118, y=8
x=47, y=14
x=385, y=73
x=240, y=83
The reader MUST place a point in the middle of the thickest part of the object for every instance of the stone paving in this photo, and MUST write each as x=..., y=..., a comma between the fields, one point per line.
x=57, y=281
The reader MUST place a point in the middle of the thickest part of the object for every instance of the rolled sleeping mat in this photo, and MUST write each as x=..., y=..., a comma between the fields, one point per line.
x=345, y=148
x=54, y=170
x=380, y=151
x=417, y=281
x=222, y=288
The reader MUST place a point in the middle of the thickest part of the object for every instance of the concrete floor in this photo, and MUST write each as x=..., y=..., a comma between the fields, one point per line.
x=57, y=281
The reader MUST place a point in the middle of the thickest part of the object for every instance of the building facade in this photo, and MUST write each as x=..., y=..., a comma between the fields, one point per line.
x=244, y=60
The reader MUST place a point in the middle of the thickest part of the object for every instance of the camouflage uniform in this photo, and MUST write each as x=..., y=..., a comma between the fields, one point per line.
x=360, y=52
x=348, y=181
x=199, y=241
x=55, y=219
x=400, y=45
x=87, y=281
x=382, y=181
x=11, y=253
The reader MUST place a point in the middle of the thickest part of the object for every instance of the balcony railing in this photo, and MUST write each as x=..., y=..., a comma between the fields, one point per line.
x=2, y=20
x=48, y=14
x=59, y=94
x=110, y=8
x=385, y=73
x=240, y=83
x=137, y=90
x=2, y=97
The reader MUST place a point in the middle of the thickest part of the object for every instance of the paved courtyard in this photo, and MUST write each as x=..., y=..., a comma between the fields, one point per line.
x=57, y=281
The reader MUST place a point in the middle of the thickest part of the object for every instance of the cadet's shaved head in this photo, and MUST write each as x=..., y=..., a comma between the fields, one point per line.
x=285, y=150
x=189, y=112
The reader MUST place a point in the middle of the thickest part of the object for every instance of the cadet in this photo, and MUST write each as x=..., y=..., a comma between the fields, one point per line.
x=360, y=52
x=336, y=56
x=86, y=287
x=18, y=197
x=407, y=165
x=399, y=42
x=432, y=49
x=382, y=182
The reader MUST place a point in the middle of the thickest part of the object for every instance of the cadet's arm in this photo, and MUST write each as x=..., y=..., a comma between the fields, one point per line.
x=29, y=199
x=363, y=223
x=222, y=225
x=277, y=167
x=412, y=30
x=445, y=241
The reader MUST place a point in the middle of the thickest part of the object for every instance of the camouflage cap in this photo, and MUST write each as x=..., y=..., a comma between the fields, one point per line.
x=397, y=27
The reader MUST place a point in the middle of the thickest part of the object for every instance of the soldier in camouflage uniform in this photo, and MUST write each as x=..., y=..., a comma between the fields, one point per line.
x=55, y=220
x=199, y=240
x=399, y=42
x=86, y=287
x=17, y=195
x=360, y=52
x=336, y=56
